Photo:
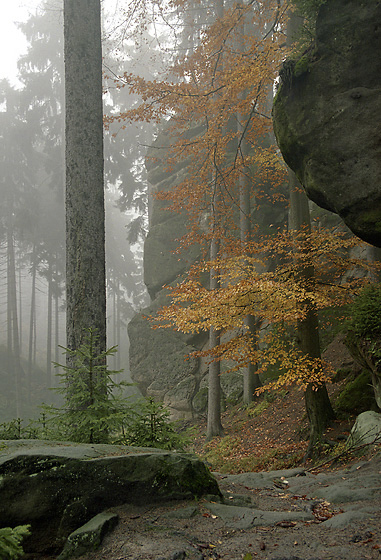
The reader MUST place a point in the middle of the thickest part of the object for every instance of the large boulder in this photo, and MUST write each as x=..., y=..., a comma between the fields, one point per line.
x=57, y=487
x=366, y=429
x=325, y=115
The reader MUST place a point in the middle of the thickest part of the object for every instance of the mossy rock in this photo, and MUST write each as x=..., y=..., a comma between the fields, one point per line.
x=47, y=484
x=357, y=395
x=323, y=115
x=200, y=400
x=232, y=387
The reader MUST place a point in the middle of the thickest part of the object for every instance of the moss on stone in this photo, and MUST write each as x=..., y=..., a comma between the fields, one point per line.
x=357, y=395
x=301, y=66
x=200, y=400
x=372, y=218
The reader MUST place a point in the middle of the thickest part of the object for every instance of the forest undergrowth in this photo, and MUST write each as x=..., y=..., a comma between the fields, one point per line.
x=271, y=434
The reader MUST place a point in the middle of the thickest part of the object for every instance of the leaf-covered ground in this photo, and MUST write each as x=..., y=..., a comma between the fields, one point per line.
x=270, y=434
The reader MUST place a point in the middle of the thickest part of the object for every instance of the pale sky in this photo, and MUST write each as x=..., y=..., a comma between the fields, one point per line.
x=12, y=41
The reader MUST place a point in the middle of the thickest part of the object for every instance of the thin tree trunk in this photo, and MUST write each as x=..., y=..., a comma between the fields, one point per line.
x=251, y=380
x=118, y=326
x=318, y=406
x=32, y=321
x=49, y=327
x=57, y=324
x=114, y=304
x=20, y=310
x=214, y=425
x=13, y=323
x=10, y=366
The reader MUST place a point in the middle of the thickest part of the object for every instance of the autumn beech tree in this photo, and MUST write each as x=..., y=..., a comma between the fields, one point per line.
x=85, y=215
x=206, y=90
x=216, y=82
x=318, y=406
x=232, y=170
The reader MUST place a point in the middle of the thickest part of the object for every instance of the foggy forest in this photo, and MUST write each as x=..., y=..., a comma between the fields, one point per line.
x=190, y=297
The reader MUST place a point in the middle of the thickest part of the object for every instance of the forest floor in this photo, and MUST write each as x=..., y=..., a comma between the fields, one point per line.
x=267, y=441
x=272, y=433
x=269, y=435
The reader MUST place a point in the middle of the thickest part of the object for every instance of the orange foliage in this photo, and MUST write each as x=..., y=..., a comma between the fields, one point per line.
x=216, y=100
x=279, y=298
x=210, y=98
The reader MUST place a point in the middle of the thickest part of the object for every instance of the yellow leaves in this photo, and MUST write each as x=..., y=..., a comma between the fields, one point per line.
x=280, y=298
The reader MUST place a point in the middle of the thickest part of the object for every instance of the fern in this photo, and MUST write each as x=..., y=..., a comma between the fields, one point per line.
x=10, y=541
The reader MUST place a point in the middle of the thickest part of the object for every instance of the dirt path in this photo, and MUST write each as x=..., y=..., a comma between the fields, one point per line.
x=332, y=515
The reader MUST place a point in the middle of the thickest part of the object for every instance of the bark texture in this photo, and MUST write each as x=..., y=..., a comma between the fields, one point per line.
x=85, y=216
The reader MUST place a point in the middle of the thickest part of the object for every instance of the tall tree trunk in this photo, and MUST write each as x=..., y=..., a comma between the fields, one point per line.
x=49, y=326
x=114, y=327
x=57, y=327
x=85, y=207
x=10, y=366
x=13, y=333
x=251, y=380
x=85, y=214
x=318, y=406
x=118, y=326
x=20, y=317
x=214, y=425
x=32, y=319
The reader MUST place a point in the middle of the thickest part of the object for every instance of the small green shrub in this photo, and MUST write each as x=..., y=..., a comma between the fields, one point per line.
x=254, y=410
x=95, y=410
x=148, y=425
x=10, y=541
x=94, y=405
x=365, y=314
x=15, y=429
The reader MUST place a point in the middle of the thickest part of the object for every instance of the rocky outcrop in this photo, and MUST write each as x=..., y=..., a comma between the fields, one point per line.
x=161, y=361
x=159, y=358
x=325, y=115
x=57, y=487
x=89, y=537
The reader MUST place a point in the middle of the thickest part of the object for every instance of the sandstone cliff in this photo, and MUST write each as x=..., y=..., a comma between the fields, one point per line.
x=326, y=115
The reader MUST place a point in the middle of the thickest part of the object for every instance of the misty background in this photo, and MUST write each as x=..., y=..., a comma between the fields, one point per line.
x=32, y=190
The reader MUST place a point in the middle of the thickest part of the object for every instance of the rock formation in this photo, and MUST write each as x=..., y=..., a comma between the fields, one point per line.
x=159, y=358
x=326, y=115
x=57, y=487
